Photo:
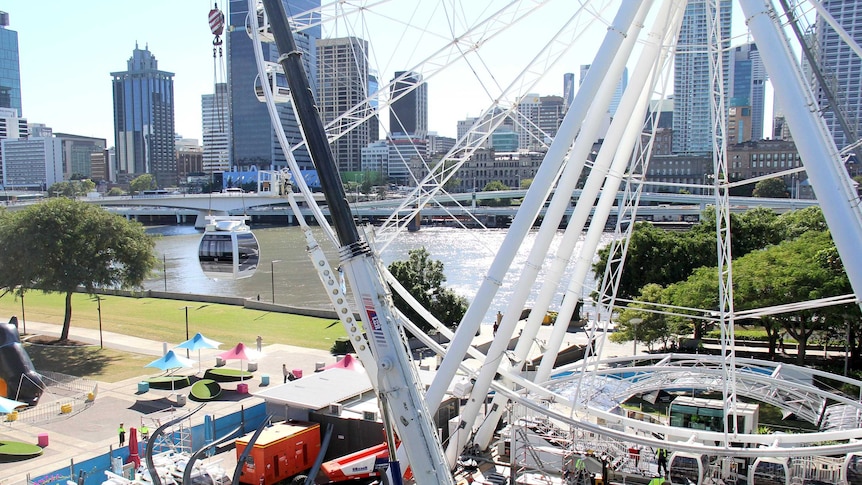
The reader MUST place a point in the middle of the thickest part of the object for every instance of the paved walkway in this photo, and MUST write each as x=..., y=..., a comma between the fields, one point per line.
x=94, y=430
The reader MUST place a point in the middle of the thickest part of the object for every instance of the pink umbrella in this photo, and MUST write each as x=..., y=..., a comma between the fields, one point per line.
x=133, y=447
x=240, y=352
x=348, y=362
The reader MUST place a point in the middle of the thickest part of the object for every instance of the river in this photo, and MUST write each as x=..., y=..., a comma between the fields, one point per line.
x=286, y=271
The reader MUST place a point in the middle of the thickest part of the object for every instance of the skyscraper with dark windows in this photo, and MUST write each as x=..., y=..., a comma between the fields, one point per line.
x=144, y=120
x=408, y=113
x=843, y=67
x=692, y=123
x=253, y=140
x=10, y=72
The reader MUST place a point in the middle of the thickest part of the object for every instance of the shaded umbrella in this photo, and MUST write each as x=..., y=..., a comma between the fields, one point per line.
x=171, y=361
x=133, y=448
x=240, y=352
x=199, y=342
x=348, y=362
x=8, y=405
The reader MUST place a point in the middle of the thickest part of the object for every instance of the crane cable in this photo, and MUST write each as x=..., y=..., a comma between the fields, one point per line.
x=216, y=22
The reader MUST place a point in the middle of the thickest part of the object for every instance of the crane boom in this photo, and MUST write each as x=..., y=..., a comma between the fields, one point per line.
x=398, y=383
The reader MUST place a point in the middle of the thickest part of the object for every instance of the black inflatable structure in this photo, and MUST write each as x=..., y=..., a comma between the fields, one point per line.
x=18, y=378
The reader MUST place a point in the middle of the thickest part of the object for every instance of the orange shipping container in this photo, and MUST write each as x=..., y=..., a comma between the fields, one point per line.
x=281, y=451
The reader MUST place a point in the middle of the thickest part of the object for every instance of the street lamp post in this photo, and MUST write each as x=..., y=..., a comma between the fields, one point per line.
x=635, y=322
x=272, y=277
x=165, y=270
x=99, y=311
x=186, y=308
x=23, y=317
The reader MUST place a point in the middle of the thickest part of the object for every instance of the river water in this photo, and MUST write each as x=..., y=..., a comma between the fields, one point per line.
x=286, y=270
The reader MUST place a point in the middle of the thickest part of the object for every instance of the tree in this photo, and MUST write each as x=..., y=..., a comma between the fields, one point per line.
x=641, y=326
x=666, y=257
x=142, y=183
x=423, y=278
x=71, y=188
x=115, y=191
x=61, y=244
x=772, y=188
x=492, y=186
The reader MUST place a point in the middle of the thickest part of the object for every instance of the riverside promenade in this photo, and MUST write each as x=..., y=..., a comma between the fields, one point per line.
x=93, y=431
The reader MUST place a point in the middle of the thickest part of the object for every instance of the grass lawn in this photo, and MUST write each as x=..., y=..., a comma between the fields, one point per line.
x=105, y=365
x=159, y=320
x=164, y=320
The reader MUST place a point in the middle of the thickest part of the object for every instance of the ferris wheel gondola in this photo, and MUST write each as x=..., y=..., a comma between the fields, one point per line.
x=770, y=470
x=228, y=248
x=687, y=468
x=277, y=83
x=852, y=469
x=264, y=31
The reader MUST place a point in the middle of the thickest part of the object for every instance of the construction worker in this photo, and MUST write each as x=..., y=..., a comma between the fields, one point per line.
x=145, y=432
x=122, y=432
x=661, y=458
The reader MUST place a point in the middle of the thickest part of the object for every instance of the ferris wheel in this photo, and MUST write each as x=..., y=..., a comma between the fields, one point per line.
x=497, y=53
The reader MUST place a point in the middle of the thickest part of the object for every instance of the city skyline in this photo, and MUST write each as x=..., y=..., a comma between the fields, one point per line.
x=178, y=34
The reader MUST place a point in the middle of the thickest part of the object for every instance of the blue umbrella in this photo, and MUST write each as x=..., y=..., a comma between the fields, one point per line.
x=199, y=342
x=171, y=361
x=8, y=405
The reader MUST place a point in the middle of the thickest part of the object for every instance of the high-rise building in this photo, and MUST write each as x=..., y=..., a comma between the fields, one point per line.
x=375, y=157
x=253, y=140
x=618, y=92
x=33, y=163
x=216, y=130
x=747, y=94
x=842, y=66
x=692, y=124
x=568, y=89
x=439, y=144
x=537, y=120
x=342, y=77
x=77, y=152
x=12, y=126
x=144, y=120
x=402, y=150
x=408, y=113
x=10, y=72
x=464, y=126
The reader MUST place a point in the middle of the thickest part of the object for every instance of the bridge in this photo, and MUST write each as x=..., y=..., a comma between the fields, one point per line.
x=670, y=206
x=655, y=206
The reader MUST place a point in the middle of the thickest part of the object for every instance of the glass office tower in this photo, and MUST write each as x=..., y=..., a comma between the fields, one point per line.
x=144, y=120
x=253, y=141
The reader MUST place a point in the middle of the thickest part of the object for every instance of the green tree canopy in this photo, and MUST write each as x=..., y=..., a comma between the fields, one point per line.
x=423, y=278
x=666, y=257
x=493, y=186
x=62, y=244
x=142, y=183
x=71, y=188
x=773, y=188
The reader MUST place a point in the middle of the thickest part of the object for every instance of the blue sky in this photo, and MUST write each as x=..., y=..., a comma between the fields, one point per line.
x=69, y=49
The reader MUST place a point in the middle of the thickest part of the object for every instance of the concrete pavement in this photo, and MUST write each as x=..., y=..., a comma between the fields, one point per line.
x=93, y=431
